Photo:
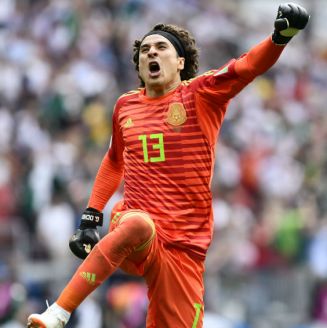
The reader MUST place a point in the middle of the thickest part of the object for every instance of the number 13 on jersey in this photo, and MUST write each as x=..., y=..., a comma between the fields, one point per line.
x=159, y=147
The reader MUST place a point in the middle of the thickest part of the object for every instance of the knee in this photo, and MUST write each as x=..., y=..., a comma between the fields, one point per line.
x=139, y=227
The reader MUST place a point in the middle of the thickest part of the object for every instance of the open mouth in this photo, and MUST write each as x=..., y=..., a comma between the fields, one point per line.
x=154, y=69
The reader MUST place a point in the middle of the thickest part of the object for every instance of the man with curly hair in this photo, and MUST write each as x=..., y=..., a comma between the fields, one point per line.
x=163, y=144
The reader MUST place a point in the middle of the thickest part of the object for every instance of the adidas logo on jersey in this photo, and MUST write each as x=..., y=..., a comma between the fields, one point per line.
x=89, y=277
x=129, y=123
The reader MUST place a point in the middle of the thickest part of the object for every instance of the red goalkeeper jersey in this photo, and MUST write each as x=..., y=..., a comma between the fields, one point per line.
x=167, y=147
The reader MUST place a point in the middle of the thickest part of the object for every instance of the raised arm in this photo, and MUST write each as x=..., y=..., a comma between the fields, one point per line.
x=258, y=60
x=290, y=19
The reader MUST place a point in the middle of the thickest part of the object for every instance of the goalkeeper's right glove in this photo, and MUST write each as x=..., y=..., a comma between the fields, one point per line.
x=86, y=236
x=290, y=19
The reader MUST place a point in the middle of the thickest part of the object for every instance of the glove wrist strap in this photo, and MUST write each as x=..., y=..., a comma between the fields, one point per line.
x=279, y=39
x=91, y=219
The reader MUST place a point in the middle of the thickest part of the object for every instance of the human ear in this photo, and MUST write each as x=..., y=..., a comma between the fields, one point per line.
x=181, y=63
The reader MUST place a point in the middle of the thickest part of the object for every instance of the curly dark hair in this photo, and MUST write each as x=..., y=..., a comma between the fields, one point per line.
x=192, y=55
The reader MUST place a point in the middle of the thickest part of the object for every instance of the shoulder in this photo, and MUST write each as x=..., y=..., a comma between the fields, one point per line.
x=211, y=76
x=125, y=97
x=198, y=78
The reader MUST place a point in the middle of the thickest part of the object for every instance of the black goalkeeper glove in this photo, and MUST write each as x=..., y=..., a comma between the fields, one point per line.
x=290, y=19
x=86, y=236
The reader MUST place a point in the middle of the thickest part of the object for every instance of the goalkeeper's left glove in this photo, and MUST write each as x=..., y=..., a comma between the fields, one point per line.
x=86, y=236
x=290, y=19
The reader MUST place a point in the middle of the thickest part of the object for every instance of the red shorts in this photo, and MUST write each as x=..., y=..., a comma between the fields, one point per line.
x=174, y=280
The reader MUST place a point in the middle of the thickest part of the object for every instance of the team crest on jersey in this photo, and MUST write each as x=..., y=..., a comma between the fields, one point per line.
x=176, y=114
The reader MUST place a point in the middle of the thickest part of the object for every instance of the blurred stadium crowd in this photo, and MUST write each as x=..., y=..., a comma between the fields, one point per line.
x=63, y=63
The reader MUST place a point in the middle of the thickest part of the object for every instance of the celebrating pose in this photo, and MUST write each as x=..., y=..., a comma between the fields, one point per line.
x=163, y=145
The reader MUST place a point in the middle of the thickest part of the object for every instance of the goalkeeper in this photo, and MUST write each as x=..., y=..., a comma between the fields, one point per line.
x=163, y=144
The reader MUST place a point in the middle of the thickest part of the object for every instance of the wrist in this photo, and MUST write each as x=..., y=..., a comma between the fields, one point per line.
x=279, y=39
x=91, y=218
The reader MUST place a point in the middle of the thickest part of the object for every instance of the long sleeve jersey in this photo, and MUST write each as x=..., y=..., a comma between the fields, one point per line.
x=164, y=148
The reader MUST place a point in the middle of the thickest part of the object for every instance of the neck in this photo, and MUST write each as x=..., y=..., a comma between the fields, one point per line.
x=160, y=90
